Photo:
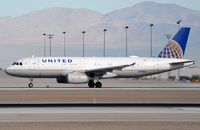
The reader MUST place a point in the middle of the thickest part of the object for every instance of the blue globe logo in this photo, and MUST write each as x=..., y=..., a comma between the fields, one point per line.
x=172, y=50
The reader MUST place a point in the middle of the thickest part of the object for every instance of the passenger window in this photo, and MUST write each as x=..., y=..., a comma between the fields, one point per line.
x=17, y=63
x=20, y=63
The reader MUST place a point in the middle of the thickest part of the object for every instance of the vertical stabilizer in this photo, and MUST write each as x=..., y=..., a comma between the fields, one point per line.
x=176, y=47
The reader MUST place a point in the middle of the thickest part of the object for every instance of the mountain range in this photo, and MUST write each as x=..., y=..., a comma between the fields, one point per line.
x=22, y=35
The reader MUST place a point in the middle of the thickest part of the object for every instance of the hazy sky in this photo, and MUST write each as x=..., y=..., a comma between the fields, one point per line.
x=19, y=7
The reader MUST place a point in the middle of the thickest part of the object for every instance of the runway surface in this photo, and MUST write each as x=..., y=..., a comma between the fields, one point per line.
x=88, y=114
x=104, y=95
x=126, y=91
x=112, y=118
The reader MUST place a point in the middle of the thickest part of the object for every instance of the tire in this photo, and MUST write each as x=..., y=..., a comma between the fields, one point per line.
x=91, y=84
x=30, y=85
x=98, y=84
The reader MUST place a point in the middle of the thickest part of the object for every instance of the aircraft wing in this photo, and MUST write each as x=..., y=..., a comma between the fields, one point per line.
x=102, y=71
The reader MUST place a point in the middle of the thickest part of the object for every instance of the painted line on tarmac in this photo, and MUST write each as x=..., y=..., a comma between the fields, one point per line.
x=101, y=105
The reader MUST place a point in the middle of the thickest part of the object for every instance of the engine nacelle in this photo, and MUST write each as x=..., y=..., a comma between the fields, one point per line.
x=75, y=78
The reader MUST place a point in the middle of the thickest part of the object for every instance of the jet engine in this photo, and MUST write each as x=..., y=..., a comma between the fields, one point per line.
x=74, y=78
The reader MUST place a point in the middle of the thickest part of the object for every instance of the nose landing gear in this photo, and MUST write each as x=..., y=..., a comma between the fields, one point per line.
x=30, y=85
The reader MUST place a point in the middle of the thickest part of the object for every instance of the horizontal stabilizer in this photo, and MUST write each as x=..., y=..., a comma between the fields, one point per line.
x=183, y=63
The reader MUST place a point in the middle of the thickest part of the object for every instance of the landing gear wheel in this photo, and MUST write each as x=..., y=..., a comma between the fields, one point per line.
x=30, y=85
x=98, y=84
x=91, y=84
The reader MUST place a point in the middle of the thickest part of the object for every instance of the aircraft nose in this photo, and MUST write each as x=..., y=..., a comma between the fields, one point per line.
x=8, y=70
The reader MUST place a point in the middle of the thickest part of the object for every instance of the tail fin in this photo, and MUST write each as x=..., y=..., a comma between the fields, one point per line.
x=176, y=47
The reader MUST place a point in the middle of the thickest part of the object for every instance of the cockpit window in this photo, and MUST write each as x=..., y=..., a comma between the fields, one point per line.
x=14, y=63
x=17, y=63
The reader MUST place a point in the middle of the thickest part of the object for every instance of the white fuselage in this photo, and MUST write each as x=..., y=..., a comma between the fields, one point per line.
x=53, y=67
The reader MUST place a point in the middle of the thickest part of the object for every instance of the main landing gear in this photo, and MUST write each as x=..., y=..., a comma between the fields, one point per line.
x=91, y=84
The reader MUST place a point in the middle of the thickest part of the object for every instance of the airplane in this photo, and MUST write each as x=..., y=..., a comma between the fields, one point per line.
x=80, y=70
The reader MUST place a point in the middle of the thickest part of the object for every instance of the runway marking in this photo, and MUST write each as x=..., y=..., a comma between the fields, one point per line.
x=100, y=105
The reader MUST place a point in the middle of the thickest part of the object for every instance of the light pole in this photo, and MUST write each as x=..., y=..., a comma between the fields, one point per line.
x=44, y=34
x=64, y=43
x=178, y=23
x=83, y=32
x=50, y=36
x=179, y=26
x=168, y=36
x=126, y=27
x=151, y=29
x=104, y=42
